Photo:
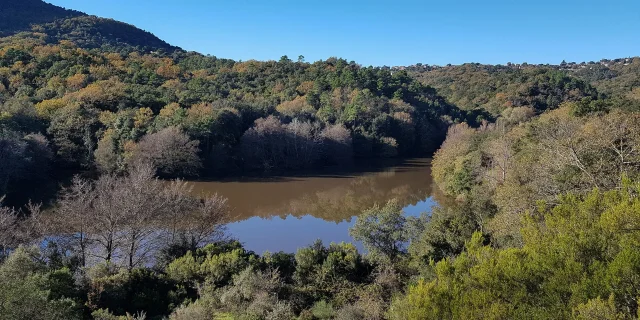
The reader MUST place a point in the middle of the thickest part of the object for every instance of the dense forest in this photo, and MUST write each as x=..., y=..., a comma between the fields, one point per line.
x=538, y=168
x=495, y=88
x=84, y=108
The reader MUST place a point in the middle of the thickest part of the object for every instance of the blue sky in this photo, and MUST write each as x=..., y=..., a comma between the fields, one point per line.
x=394, y=32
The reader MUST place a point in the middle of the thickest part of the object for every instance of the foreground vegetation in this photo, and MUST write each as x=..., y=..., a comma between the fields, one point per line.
x=578, y=258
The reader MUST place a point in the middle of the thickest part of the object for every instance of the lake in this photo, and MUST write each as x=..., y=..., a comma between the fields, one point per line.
x=284, y=213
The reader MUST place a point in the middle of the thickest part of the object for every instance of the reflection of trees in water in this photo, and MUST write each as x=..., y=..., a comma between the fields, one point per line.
x=340, y=203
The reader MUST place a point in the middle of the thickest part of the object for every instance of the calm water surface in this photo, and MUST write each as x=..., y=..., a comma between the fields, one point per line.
x=285, y=213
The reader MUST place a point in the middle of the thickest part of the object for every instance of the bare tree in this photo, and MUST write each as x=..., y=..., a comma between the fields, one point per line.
x=561, y=145
x=301, y=145
x=19, y=227
x=263, y=145
x=174, y=219
x=107, y=219
x=141, y=204
x=616, y=146
x=72, y=215
x=33, y=227
x=120, y=219
x=170, y=151
x=501, y=152
x=125, y=211
x=204, y=224
x=191, y=222
x=600, y=149
x=8, y=227
x=337, y=144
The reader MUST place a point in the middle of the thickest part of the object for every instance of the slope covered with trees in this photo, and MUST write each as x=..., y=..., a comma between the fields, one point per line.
x=86, y=31
x=619, y=78
x=101, y=109
x=497, y=87
x=101, y=95
x=20, y=15
x=546, y=205
x=91, y=32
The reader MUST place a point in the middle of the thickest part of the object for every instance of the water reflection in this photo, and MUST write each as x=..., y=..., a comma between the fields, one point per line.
x=285, y=213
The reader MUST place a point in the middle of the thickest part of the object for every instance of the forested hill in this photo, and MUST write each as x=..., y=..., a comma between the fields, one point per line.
x=20, y=15
x=86, y=31
x=92, y=93
x=86, y=93
x=496, y=88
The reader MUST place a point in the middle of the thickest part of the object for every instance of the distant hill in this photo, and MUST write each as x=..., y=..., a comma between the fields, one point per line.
x=497, y=87
x=86, y=31
x=93, y=32
x=20, y=15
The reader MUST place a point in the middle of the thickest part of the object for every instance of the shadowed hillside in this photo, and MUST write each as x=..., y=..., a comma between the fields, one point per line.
x=85, y=31
x=20, y=15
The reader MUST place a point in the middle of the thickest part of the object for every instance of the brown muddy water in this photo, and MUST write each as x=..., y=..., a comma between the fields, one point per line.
x=285, y=213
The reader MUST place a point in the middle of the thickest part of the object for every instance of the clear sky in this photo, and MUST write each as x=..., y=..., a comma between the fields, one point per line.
x=392, y=32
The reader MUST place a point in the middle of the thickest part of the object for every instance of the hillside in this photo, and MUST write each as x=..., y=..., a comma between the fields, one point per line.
x=20, y=15
x=497, y=87
x=101, y=95
x=85, y=31
x=92, y=32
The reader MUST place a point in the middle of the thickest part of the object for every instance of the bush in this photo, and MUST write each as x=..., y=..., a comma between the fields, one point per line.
x=323, y=310
x=215, y=263
x=382, y=231
x=27, y=292
x=138, y=291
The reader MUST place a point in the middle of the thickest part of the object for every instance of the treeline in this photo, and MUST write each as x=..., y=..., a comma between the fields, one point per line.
x=496, y=88
x=617, y=79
